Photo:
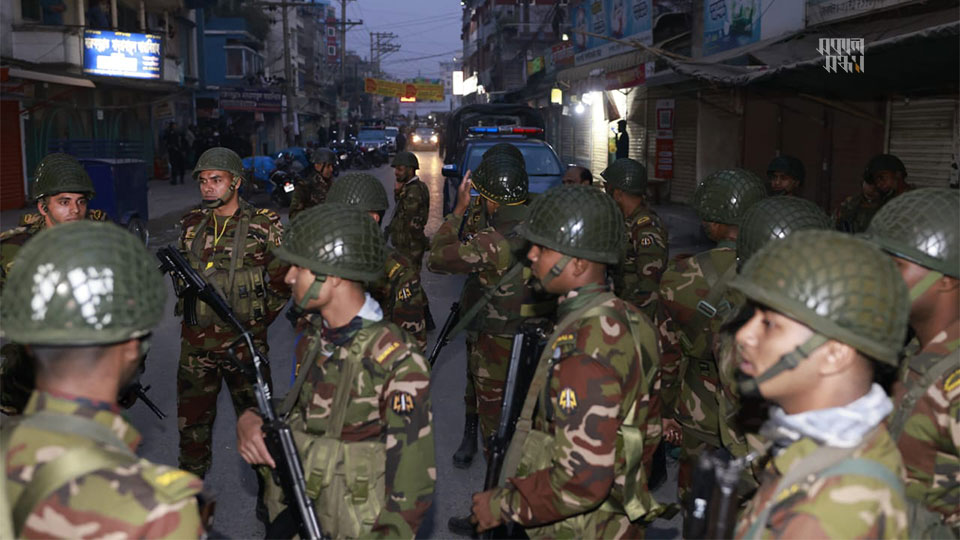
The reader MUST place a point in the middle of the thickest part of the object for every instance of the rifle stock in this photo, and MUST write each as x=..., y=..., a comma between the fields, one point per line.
x=713, y=499
x=277, y=435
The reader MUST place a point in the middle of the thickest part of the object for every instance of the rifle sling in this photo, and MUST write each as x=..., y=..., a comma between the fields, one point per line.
x=474, y=310
x=305, y=367
x=898, y=420
x=525, y=420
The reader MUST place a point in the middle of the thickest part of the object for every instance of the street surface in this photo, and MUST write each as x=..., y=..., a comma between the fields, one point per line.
x=230, y=480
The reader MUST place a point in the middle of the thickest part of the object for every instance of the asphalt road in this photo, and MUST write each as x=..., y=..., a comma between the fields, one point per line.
x=230, y=480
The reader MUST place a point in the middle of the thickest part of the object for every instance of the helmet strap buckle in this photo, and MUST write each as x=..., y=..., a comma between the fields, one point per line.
x=312, y=293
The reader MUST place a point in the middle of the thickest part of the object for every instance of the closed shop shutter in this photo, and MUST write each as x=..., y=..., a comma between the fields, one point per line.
x=636, y=119
x=684, y=182
x=582, y=139
x=11, y=157
x=566, y=149
x=923, y=134
x=600, y=140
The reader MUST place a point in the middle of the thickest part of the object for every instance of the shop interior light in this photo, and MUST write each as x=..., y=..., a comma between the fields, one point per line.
x=579, y=108
x=556, y=96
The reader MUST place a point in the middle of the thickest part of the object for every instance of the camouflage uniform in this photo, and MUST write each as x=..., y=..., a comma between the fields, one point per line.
x=140, y=500
x=835, y=472
x=309, y=192
x=401, y=296
x=921, y=227
x=694, y=304
x=16, y=373
x=361, y=418
x=204, y=360
x=578, y=463
x=638, y=278
x=856, y=211
x=68, y=462
x=405, y=230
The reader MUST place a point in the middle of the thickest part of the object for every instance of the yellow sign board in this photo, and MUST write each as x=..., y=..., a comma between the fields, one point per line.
x=420, y=91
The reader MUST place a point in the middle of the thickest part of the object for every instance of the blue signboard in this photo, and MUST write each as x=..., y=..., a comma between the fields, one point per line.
x=120, y=54
x=624, y=20
x=728, y=24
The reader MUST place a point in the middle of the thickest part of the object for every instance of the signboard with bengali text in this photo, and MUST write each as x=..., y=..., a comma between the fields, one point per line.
x=122, y=54
x=624, y=20
x=422, y=91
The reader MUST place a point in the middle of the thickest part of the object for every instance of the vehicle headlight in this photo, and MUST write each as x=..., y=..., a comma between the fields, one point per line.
x=416, y=138
x=433, y=138
x=343, y=156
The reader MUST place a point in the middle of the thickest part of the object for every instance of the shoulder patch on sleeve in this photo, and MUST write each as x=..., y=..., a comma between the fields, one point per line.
x=646, y=240
x=564, y=339
x=642, y=220
x=393, y=270
x=402, y=402
x=387, y=351
x=172, y=484
x=567, y=400
x=952, y=381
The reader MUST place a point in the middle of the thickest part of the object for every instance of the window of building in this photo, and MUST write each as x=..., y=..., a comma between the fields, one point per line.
x=234, y=63
x=331, y=31
x=331, y=50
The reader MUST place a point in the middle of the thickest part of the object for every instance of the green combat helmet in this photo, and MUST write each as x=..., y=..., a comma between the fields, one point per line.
x=921, y=227
x=323, y=155
x=406, y=159
x=506, y=149
x=726, y=195
x=578, y=221
x=502, y=179
x=840, y=286
x=628, y=175
x=335, y=239
x=776, y=218
x=220, y=159
x=82, y=283
x=61, y=173
x=361, y=190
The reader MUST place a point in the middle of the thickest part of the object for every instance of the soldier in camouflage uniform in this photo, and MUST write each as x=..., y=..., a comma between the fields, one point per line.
x=827, y=308
x=577, y=465
x=85, y=297
x=883, y=179
x=692, y=307
x=785, y=176
x=312, y=190
x=493, y=254
x=645, y=255
x=62, y=189
x=405, y=230
x=361, y=412
x=919, y=230
x=228, y=241
x=398, y=291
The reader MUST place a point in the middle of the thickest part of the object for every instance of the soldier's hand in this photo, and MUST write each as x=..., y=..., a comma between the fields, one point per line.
x=481, y=515
x=250, y=442
x=672, y=432
x=463, y=195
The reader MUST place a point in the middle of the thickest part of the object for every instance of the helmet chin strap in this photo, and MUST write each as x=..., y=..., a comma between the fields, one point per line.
x=924, y=284
x=750, y=386
x=312, y=293
x=222, y=200
x=554, y=272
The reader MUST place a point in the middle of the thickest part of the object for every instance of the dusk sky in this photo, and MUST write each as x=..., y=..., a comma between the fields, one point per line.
x=425, y=28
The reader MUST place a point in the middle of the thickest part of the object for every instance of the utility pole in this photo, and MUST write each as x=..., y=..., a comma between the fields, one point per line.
x=287, y=67
x=384, y=46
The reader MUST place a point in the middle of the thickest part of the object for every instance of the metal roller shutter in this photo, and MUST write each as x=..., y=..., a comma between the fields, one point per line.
x=11, y=156
x=636, y=119
x=923, y=134
x=582, y=139
x=685, y=151
x=567, y=146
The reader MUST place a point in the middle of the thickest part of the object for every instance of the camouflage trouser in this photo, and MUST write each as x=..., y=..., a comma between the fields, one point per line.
x=199, y=377
x=470, y=393
x=487, y=364
x=17, y=378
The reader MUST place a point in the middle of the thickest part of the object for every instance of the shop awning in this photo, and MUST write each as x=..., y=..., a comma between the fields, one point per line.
x=908, y=54
x=50, y=77
x=593, y=76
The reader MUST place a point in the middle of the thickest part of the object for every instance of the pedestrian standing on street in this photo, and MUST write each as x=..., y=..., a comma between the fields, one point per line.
x=228, y=241
x=401, y=139
x=176, y=147
x=919, y=231
x=398, y=291
x=62, y=190
x=884, y=179
x=830, y=310
x=623, y=141
x=690, y=310
x=590, y=421
x=312, y=189
x=785, y=176
x=637, y=278
x=189, y=145
x=577, y=175
x=85, y=297
x=411, y=211
x=360, y=408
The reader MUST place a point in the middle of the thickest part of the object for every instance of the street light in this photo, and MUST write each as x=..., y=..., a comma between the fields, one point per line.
x=579, y=108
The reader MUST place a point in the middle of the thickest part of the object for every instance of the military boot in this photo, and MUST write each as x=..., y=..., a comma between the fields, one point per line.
x=468, y=445
x=461, y=526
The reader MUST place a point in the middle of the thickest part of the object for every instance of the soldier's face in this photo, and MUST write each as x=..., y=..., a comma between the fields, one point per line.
x=300, y=279
x=542, y=260
x=572, y=176
x=762, y=340
x=63, y=207
x=783, y=184
x=921, y=308
x=215, y=184
x=325, y=169
x=886, y=181
x=403, y=173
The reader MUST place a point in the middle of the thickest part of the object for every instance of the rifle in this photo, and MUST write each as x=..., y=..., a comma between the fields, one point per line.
x=528, y=344
x=713, y=497
x=444, y=337
x=134, y=390
x=288, y=473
